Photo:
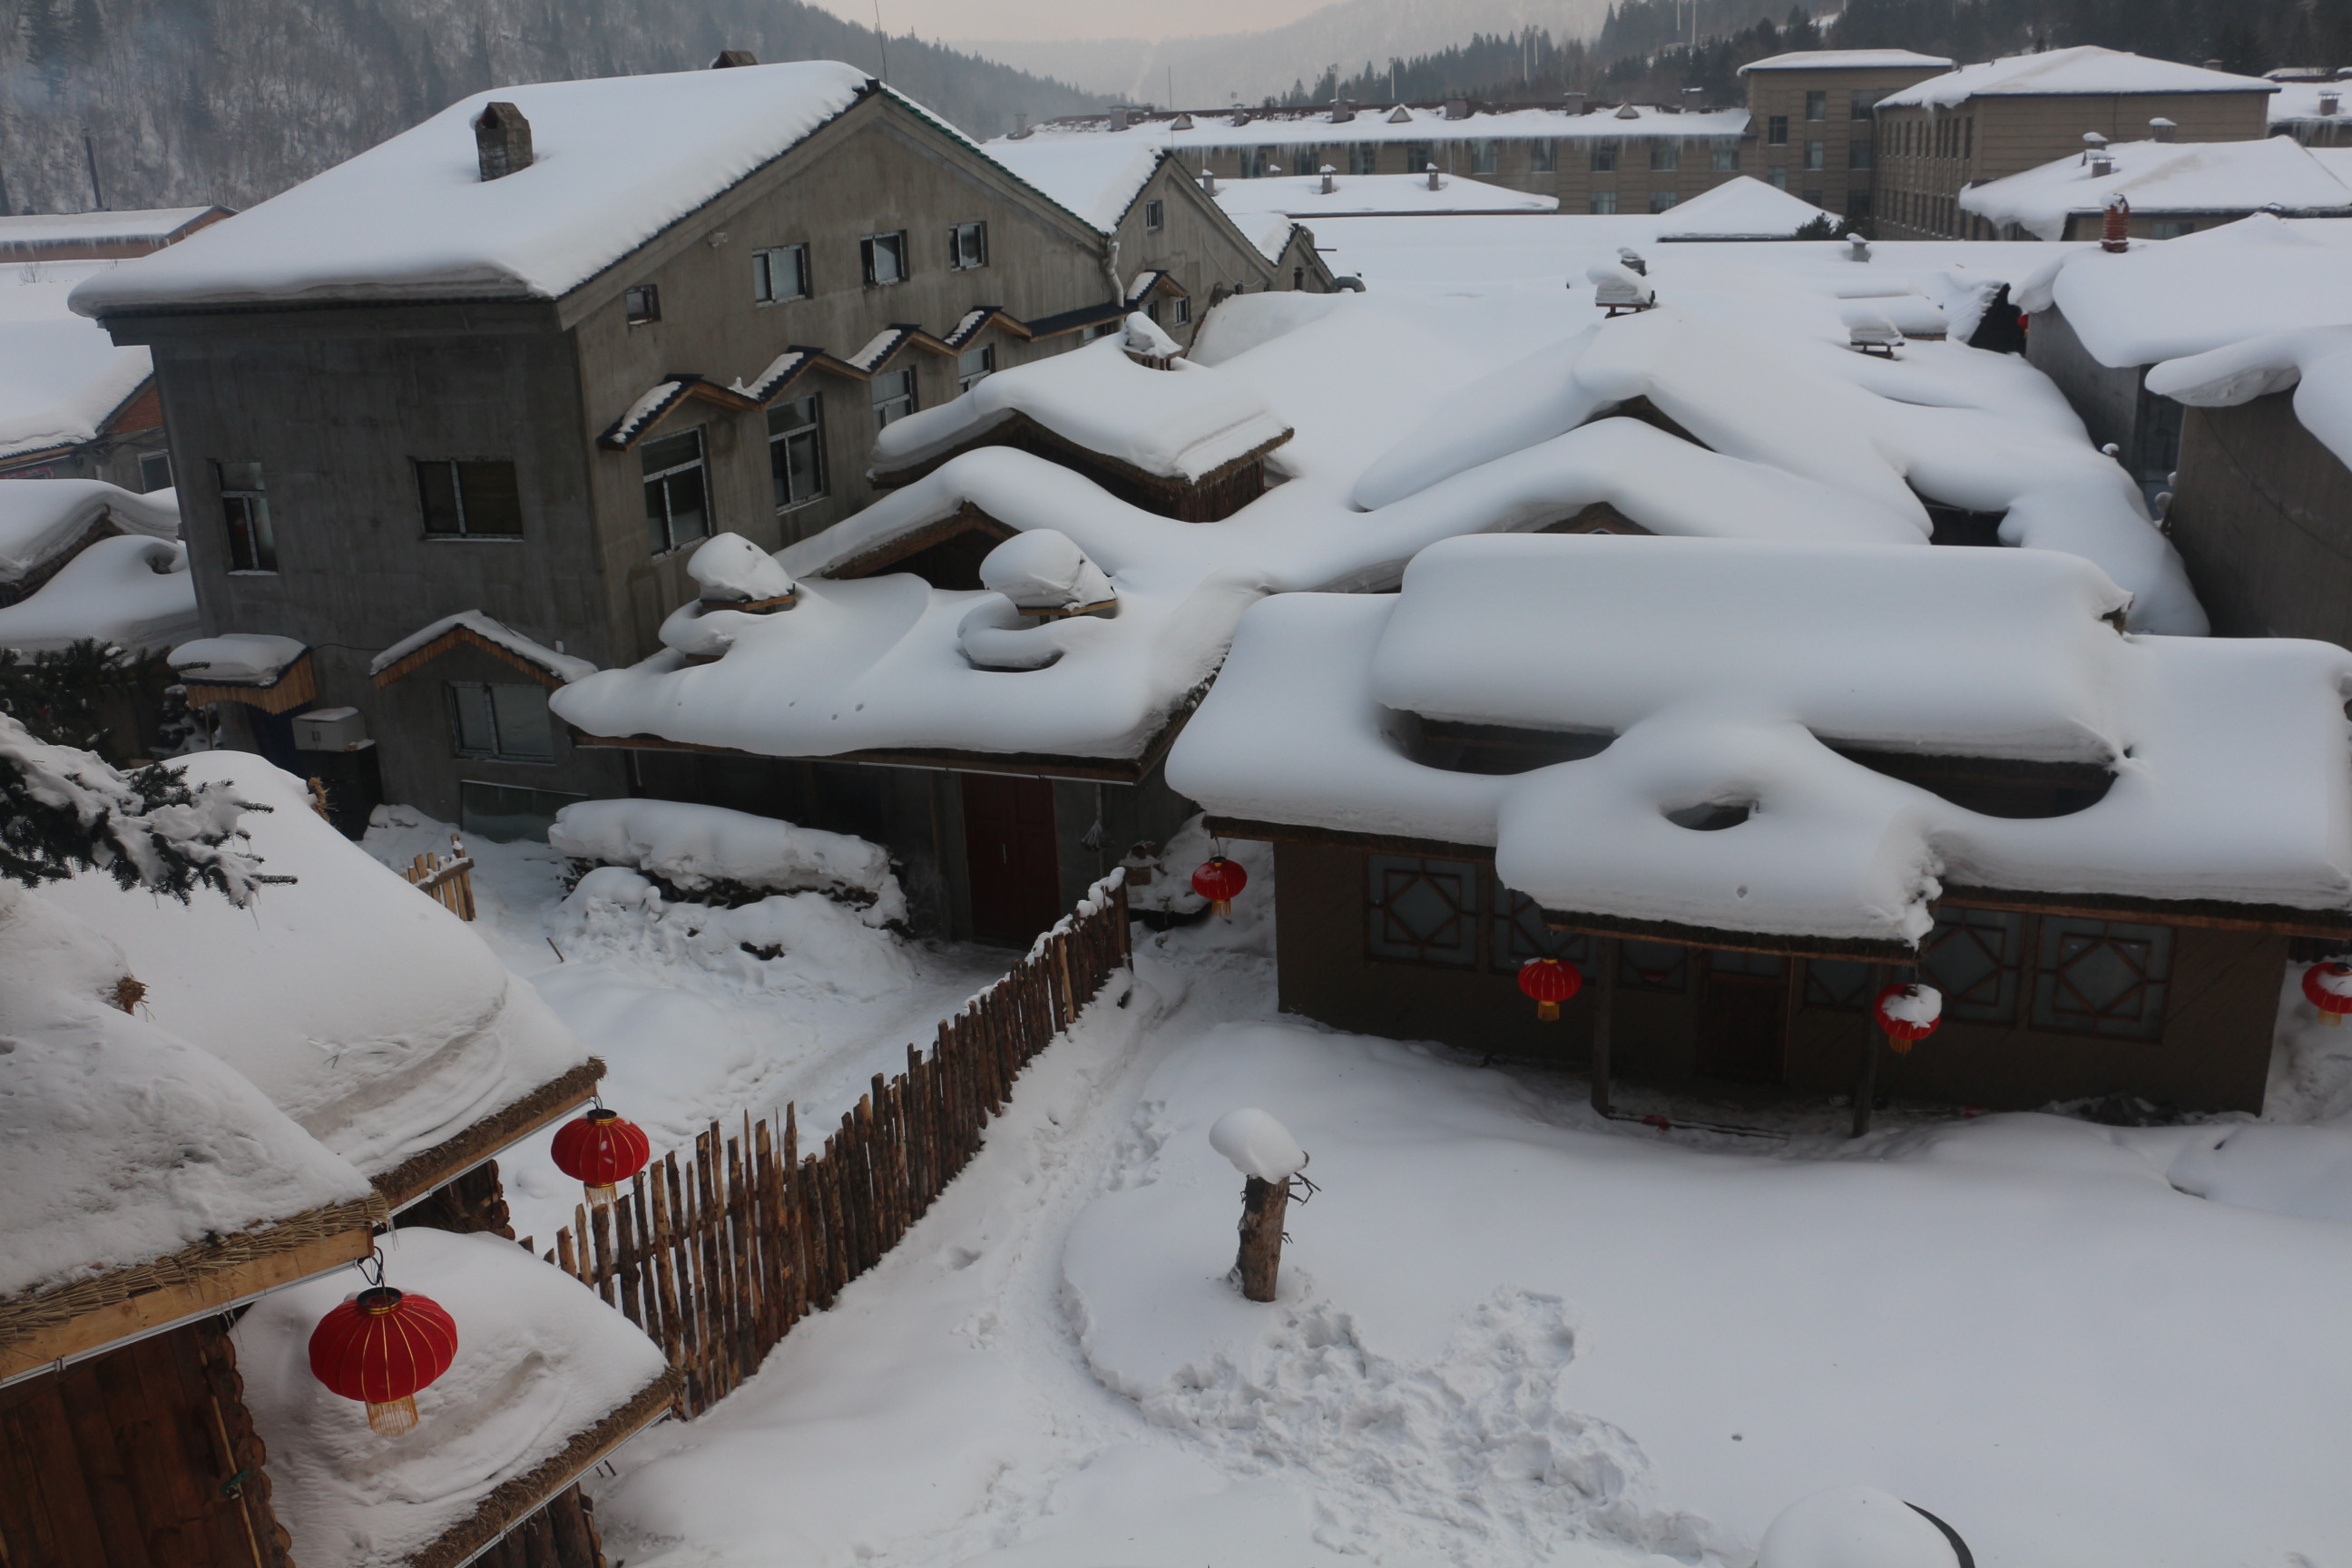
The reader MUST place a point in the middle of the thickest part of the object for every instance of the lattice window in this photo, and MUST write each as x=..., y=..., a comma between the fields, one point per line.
x=1973, y=957
x=1424, y=912
x=1520, y=934
x=1652, y=966
x=1836, y=985
x=2101, y=977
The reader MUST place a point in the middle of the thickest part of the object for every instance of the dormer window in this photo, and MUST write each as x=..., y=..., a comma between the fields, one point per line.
x=642, y=303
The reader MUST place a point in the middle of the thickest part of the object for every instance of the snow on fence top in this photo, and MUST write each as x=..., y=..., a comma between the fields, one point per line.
x=2160, y=178
x=1728, y=680
x=615, y=160
x=1742, y=207
x=1184, y=423
x=41, y=518
x=61, y=378
x=2085, y=68
x=1096, y=179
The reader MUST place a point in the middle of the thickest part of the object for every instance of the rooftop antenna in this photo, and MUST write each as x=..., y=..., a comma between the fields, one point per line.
x=881, y=40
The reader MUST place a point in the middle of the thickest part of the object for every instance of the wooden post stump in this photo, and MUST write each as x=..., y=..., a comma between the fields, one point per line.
x=1866, y=1089
x=1263, y=1206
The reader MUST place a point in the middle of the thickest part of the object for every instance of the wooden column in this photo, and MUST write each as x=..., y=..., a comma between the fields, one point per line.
x=1866, y=1087
x=1604, y=1010
x=1262, y=1205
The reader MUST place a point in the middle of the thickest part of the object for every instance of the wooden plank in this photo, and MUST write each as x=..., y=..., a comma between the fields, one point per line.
x=50, y=1513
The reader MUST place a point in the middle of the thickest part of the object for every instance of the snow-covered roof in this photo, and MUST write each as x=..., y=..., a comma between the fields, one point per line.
x=1300, y=195
x=2314, y=363
x=1183, y=423
x=243, y=657
x=1281, y=128
x=498, y=634
x=1722, y=673
x=2164, y=177
x=2168, y=298
x=1096, y=178
x=39, y=518
x=152, y=225
x=1742, y=207
x=615, y=160
x=540, y=1363
x=132, y=593
x=2300, y=101
x=1848, y=60
x=2085, y=68
x=372, y=1017
x=61, y=377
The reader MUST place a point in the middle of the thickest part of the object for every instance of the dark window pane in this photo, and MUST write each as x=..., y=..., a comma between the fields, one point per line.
x=1728, y=961
x=1836, y=985
x=2101, y=977
x=690, y=517
x=251, y=545
x=523, y=730
x=471, y=718
x=1425, y=910
x=437, y=487
x=493, y=504
x=1973, y=957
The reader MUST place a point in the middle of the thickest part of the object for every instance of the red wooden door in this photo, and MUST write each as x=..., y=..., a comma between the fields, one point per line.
x=1008, y=841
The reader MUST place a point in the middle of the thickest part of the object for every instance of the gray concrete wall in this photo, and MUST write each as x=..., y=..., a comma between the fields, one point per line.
x=2264, y=522
x=1197, y=244
x=2106, y=399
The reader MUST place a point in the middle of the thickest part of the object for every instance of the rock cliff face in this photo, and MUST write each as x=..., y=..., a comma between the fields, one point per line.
x=135, y=103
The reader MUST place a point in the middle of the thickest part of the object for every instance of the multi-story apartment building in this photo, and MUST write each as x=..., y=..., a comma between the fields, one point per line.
x=1811, y=115
x=1983, y=122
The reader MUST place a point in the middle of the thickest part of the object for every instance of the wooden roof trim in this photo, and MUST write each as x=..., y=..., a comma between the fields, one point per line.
x=455, y=637
x=295, y=684
x=888, y=552
x=418, y=1174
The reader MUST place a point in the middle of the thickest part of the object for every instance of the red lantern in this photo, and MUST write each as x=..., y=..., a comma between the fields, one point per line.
x=2329, y=987
x=379, y=1347
x=601, y=1151
x=1550, y=983
x=1908, y=1012
x=1220, y=881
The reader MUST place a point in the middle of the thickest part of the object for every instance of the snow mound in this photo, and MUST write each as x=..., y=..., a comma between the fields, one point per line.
x=1854, y=1527
x=1044, y=569
x=38, y=518
x=131, y=593
x=732, y=570
x=788, y=941
x=252, y=656
x=695, y=849
x=1257, y=1145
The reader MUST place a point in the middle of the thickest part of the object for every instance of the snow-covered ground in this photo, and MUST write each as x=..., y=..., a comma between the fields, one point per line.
x=1508, y=1333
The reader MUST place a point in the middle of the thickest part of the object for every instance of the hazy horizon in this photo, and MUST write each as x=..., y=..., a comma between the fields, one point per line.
x=1068, y=20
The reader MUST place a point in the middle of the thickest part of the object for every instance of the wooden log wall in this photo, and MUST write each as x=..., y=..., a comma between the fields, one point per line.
x=716, y=1252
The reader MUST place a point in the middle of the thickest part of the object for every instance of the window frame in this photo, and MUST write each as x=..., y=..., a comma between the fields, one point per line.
x=1486, y=155
x=1666, y=155
x=870, y=250
x=1155, y=214
x=1602, y=204
x=1862, y=155
x=1776, y=130
x=1543, y=155
x=669, y=542
x=763, y=274
x=1817, y=104
x=490, y=712
x=244, y=513
x=1364, y=157
x=457, y=467
x=1383, y=892
x=1663, y=201
x=780, y=450
x=1182, y=309
x=164, y=456
x=966, y=378
x=904, y=378
x=641, y=304
x=967, y=246
x=1817, y=157
x=1723, y=155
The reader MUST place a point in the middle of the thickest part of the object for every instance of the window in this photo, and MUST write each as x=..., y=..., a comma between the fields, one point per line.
x=1257, y=163
x=1660, y=200
x=894, y=396
x=1604, y=157
x=967, y=247
x=1776, y=130
x=1652, y=965
x=1666, y=154
x=2101, y=977
x=1973, y=957
x=1155, y=216
x=1485, y=156
x=1778, y=175
x=1817, y=105
x=1836, y=986
x=1520, y=934
x=1364, y=158
x=678, y=505
x=1603, y=204
x=641, y=303
x=252, y=545
x=1419, y=156
x=883, y=257
x=1861, y=155
x=1424, y=912
x=1857, y=204
x=1180, y=309
x=501, y=719
x=1543, y=156
x=1817, y=156
x=780, y=273
x=1969, y=137
x=796, y=449
x=1814, y=198
x=468, y=499
x=976, y=365
x=1860, y=101
x=154, y=471
x=1726, y=155
x=2174, y=227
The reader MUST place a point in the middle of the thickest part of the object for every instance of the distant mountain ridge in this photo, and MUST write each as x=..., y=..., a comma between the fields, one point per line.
x=135, y=103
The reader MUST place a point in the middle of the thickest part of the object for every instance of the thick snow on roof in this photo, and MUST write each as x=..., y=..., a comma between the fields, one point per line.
x=1300, y=195
x=1183, y=423
x=61, y=377
x=2164, y=177
x=1721, y=672
x=2164, y=300
x=1742, y=207
x=2085, y=68
x=132, y=593
x=245, y=658
x=563, y=667
x=540, y=1361
x=1283, y=129
x=120, y=1142
x=157, y=224
x=2315, y=363
x=615, y=160
x=2300, y=101
x=379, y=1021
x=1097, y=178
x=1848, y=60
x=38, y=518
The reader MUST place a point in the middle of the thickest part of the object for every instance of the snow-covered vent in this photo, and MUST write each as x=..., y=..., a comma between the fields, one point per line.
x=502, y=138
x=1617, y=290
x=1434, y=184
x=1019, y=128
x=2162, y=129
x=1329, y=187
x=2328, y=103
x=1572, y=103
x=1342, y=111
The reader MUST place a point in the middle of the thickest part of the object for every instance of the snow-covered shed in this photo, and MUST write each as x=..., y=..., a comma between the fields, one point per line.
x=1734, y=780
x=2171, y=188
x=1742, y=209
x=103, y=236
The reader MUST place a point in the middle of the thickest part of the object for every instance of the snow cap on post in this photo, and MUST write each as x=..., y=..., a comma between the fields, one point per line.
x=1257, y=1144
x=1854, y=1527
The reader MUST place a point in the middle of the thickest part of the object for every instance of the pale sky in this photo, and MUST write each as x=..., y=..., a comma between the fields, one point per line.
x=1059, y=20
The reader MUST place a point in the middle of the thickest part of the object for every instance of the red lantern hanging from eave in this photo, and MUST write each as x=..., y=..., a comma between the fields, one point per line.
x=379, y=1347
x=1908, y=1014
x=2329, y=987
x=1549, y=982
x=1220, y=881
x=601, y=1150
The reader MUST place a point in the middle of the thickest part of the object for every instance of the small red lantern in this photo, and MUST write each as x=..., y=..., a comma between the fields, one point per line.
x=1220, y=881
x=379, y=1347
x=1908, y=1014
x=1550, y=983
x=601, y=1150
x=2329, y=987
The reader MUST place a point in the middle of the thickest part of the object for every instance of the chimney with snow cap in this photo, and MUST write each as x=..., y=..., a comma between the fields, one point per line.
x=2162, y=129
x=1020, y=126
x=503, y=141
x=2092, y=145
x=728, y=58
x=2115, y=223
x=1342, y=111
x=2328, y=103
x=1327, y=185
x=1433, y=184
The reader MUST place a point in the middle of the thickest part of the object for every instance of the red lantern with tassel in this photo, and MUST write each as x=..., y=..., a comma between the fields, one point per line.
x=1908, y=1012
x=1220, y=881
x=601, y=1150
x=2329, y=987
x=1549, y=982
x=379, y=1347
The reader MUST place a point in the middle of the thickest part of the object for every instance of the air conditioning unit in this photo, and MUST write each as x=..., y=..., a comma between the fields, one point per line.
x=329, y=729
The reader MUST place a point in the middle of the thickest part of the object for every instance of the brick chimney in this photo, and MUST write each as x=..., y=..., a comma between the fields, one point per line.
x=731, y=57
x=2327, y=104
x=2115, y=223
x=502, y=137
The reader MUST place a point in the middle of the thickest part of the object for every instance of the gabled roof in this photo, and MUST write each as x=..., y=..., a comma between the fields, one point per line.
x=2086, y=69
x=1097, y=177
x=2164, y=177
x=62, y=379
x=1742, y=207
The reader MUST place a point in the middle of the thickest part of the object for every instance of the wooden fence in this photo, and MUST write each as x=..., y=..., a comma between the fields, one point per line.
x=718, y=1253
x=449, y=883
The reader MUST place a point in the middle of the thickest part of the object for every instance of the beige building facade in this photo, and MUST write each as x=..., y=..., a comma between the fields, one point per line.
x=1812, y=120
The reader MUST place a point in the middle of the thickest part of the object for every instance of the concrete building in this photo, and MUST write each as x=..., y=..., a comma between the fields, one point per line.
x=1982, y=122
x=2168, y=188
x=521, y=359
x=1812, y=117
